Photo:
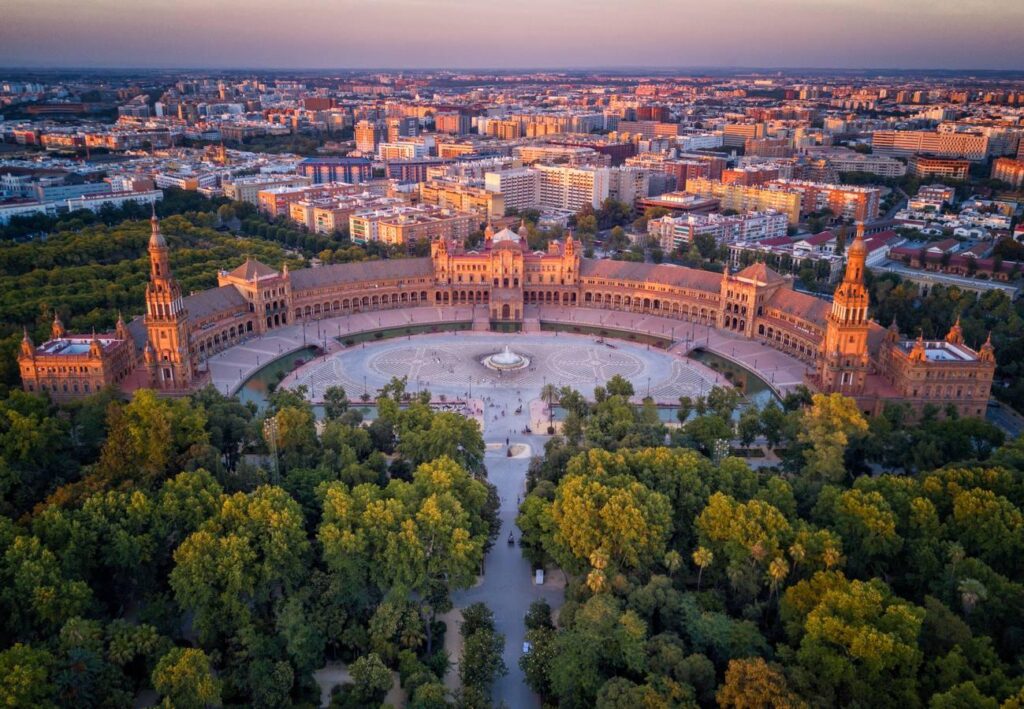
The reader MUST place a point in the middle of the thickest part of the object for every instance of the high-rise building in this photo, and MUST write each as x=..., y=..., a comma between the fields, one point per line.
x=572, y=188
x=403, y=127
x=452, y=122
x=368, y=136
x=520, y=187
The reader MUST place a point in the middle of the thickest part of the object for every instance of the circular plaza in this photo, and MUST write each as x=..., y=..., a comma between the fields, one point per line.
x=455, y=365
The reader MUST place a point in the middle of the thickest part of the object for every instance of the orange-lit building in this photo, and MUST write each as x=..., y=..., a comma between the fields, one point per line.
x=845, y=350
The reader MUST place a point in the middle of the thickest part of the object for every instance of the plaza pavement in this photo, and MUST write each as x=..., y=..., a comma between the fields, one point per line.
x=229, y=369
x=781, y=371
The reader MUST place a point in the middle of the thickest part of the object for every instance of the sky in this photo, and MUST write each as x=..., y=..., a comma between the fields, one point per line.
x=909, y=34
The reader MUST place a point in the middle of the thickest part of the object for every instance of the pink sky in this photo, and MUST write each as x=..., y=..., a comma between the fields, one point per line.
x=520, y=33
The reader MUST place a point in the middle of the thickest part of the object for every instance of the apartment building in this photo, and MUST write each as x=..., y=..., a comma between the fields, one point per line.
x=519, y=187
x=276, y=201
x=904, y=143
x=856, y=202
x=1009, y=170
x=572, y=188
x=321, y=170
x=453, y=123
x=407, y=225
x=463, y=198
x=368, y=135
x=247, y=189
x=736, y=135
x=682, y=170
x=679, y=232
x=744, y=199
x=927, y=166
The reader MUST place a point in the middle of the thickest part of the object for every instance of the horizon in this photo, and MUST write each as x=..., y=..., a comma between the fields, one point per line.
x=458, y=34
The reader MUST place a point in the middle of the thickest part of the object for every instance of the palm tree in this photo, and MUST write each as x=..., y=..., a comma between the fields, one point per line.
x=971, y=591
x=777, y=572
x=703, y=558
x=673, y=560
x=548, y=393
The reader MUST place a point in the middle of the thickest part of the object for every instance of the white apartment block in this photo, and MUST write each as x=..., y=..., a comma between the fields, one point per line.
x=675, y=232
x=699, y=141
x=96, y=202
x=628, y=184
x=572, y=187
x=520, y=187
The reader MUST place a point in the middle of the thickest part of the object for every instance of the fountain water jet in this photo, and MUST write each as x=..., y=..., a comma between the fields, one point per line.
x=506, y=360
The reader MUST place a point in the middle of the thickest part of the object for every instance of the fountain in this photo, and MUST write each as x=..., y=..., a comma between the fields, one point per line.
x=506, y=361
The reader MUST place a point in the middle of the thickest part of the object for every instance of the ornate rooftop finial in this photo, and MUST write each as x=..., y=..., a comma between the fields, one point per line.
x=988, y=351
x=57, y=330
x=918, y=353
x=156, y=239
x=955, y=336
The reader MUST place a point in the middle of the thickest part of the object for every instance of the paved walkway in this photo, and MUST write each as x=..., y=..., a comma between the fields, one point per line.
x=507, y=586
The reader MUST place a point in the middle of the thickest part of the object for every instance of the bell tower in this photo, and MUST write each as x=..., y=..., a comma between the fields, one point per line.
x=844, y=351
x=167, y=348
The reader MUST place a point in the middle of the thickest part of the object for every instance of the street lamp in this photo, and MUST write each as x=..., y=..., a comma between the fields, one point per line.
x=270, y=430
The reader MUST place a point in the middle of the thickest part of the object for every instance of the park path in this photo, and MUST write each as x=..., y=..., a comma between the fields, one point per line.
x=507, y=584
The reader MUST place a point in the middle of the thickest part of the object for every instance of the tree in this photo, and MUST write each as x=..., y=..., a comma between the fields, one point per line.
x=748, y=535
x=749, y=425
x=705, y=432
x=150, y=437
x=185, y=679
x=229, y=570
x=619, y=386
x=755, y=684
x=424, y=537
x=371, y=678
x=772, y=423
x=335, y=402
x=827, y=427
x=25, y=677
x=228, y=422
x=702, y=558
x=855, y=637
x=614, y=515
x=481, y=661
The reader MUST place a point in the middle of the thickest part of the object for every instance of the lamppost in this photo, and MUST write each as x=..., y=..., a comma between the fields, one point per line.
x=270, y=430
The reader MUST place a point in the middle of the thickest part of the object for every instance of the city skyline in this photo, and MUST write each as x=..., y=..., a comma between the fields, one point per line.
x=457, y=34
